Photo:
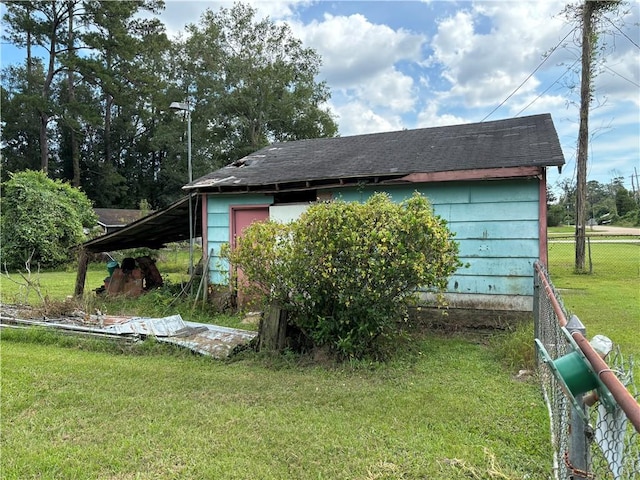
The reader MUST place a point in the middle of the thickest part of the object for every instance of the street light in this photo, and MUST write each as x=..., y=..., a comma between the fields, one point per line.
x=185, y=107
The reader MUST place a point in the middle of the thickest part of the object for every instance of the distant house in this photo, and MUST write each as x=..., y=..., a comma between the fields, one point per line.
x=488, y=180
x=112, y=219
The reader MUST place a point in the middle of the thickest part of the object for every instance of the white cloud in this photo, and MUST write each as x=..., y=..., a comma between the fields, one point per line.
x=178, y=13
x=356, y=117
x=389, y=89
x=354, y=50
x=429, y=117
x=277, y=9
x=533, y=104
x=483, y=67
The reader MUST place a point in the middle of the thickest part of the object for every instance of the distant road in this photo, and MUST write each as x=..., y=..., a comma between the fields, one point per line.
x=601, y=230
x=614, y=230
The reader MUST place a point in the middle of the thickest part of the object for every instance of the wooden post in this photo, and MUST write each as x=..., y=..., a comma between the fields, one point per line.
x=83, y=263
x=273, y=330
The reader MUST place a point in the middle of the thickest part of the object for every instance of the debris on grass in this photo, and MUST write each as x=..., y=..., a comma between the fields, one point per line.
x=212, y=340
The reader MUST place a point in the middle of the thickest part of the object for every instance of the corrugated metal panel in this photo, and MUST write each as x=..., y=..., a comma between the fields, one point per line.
x=212, y=340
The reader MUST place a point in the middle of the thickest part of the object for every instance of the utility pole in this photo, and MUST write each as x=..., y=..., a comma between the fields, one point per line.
x=588, y=9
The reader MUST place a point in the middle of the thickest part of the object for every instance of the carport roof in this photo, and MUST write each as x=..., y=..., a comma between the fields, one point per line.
x=153, y=231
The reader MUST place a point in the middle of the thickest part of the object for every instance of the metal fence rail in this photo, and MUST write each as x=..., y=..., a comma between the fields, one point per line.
x=600, y=441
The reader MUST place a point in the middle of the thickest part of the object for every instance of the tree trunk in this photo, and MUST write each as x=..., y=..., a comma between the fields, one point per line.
x=29, y=61
x=588, y=9
x=108, y=105
x=44, y=145
x=46, y=87
x=75, y=151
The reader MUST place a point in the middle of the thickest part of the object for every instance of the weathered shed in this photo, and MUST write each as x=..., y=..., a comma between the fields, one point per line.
x=488, y=180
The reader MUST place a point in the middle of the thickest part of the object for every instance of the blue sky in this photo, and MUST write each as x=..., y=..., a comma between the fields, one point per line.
x=413, y=64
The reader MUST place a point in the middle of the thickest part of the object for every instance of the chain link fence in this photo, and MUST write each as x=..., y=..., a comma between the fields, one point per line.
x=600, y=248
x=600, y=441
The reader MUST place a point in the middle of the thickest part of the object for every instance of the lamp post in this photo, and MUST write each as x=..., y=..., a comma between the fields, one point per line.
x=185, y=107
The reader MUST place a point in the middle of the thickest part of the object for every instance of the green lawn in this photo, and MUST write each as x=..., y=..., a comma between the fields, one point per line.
x=608, y=300
x=446, y=408
x=445, y=411
x=56, y=285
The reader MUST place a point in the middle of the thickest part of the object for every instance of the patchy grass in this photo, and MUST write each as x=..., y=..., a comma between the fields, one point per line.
x=606, y=301
x=441, y=411
x=561, y=230
x=50, y=292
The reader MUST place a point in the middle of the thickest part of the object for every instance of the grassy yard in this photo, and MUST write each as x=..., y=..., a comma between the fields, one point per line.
x=607, y=301
x=447, y=407
x=445, y=410
x=56, y=285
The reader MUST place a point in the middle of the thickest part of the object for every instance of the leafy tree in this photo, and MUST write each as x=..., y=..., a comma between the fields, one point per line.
x=556, y=215
x=253, y=83
x=42, y=219
x=624, y=202
x=90, y=103
x=346, y=271
x=20, y=132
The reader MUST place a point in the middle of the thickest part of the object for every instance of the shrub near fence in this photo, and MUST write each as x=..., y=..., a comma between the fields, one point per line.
x=601, y=441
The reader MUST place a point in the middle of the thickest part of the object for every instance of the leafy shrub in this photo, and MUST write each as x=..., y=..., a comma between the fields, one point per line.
x=42, y=219
x=346, y=272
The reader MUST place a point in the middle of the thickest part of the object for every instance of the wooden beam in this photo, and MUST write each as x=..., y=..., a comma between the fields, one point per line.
x=474, y=174
x=83, y=263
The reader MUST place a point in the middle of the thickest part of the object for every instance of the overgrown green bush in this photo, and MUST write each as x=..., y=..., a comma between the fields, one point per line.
x=347, y=271
x=41, y=219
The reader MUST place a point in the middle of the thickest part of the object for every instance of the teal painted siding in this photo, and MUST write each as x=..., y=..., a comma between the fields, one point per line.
x=496, y=225
x=218, y=224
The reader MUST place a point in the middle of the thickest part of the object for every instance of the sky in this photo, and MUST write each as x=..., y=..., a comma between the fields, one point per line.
x=393, y=65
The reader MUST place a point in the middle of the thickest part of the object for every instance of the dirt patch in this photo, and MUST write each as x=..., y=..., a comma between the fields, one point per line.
x=456, y=319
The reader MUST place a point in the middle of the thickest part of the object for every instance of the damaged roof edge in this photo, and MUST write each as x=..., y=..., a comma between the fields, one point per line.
x=217, y=186
x=153, y=231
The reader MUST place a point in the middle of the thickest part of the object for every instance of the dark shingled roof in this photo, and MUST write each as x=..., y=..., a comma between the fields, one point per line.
x=118, y=217
x=515, y=142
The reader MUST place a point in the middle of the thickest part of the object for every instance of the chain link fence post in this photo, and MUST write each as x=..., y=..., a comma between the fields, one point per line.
x=578, y=442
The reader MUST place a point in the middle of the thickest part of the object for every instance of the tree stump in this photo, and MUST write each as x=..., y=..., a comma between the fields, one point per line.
x=273, y=330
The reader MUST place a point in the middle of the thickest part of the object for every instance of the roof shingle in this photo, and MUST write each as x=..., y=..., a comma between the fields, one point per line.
x=516, y=142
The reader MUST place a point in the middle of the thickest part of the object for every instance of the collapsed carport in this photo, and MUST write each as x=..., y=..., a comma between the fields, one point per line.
x=153, y=231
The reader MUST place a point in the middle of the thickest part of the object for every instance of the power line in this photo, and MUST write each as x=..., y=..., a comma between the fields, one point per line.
x=622, y=76
x=530, y=75
x=547, y=89
x=621, y=32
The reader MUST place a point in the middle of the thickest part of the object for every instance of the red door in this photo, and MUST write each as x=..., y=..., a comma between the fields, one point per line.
x=241, y=217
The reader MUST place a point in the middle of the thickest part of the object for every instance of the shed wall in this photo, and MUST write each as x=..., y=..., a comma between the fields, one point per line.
x=496, y=223
x=218, y=225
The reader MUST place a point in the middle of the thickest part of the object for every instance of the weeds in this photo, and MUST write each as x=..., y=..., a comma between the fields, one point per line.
x=515, y=348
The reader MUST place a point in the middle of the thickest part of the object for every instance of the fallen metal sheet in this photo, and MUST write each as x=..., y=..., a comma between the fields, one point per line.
x=212, y=340
x=206, y=339
x=156, y=327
